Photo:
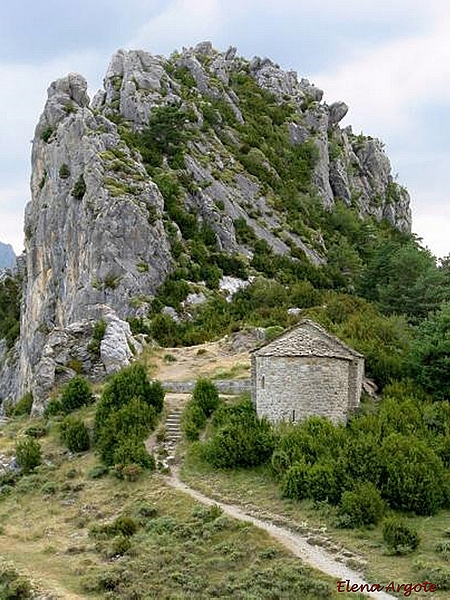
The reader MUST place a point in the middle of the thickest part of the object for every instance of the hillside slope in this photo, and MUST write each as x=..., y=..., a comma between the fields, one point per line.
x=178, y=168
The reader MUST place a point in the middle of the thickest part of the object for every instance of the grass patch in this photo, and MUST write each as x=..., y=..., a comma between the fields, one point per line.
x=177, y=547
x=237, y=371
x=257, y=490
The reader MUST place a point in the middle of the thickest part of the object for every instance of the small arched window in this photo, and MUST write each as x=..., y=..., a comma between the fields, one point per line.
x=263, y=382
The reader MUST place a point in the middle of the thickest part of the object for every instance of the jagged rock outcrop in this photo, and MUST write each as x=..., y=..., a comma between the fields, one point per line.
x=89, y=243
x=118, y=346
x=9, y=373
x=99, y=236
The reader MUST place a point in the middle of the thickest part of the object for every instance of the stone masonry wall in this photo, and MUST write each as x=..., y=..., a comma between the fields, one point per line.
x=224, y=386
x=356, y=370
x=294, y=388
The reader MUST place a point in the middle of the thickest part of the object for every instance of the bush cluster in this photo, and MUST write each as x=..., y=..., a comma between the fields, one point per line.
x=240, y=438
x=14, y=586
x=399, y=537
x=75, y=394
x=125, y=415
x=23, y=406
x=204, y=401
x=75, y=435
x=390, y=458
x=28, y=454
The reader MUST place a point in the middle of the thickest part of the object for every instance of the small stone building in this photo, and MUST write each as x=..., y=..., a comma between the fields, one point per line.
x=306, y=371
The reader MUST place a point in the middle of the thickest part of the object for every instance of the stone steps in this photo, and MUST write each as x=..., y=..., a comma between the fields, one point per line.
x=172, y=438
x=173, y=426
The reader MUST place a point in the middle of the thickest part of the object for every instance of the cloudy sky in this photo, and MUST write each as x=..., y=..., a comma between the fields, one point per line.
x=388, y=60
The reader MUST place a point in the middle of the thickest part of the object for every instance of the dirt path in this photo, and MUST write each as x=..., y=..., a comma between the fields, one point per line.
x=210, y=359
x=295, y=543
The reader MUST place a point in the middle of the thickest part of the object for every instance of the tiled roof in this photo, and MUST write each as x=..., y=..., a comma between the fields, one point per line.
x=307, y=338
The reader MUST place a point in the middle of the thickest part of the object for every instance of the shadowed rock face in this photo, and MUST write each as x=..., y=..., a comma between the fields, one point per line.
x=96, y=245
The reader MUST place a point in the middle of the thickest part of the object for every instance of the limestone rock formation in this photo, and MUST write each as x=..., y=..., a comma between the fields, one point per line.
x=108, y=214
x=118, y=346
x=91, y=239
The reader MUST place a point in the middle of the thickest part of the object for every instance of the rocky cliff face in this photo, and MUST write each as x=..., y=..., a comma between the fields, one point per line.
x=99, y=236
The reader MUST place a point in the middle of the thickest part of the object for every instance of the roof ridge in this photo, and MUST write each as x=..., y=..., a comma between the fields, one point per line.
x=331, y=344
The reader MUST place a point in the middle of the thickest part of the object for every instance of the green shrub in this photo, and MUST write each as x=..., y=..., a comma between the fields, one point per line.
x=361, y=454
x=79, y=189
x=125, y=416
x=120, y=545
x=49, y=487
x=36, y=431
x=131, y=382
x=98, y=471
x=12, y=585
x=124, y=525
x=280, y=462
x=75, y=394
x=413, y=475
x=134, y=420
x=98, y=334
x=295, y=481
x=242, y=440
x=132, y=451
x=437, y=575
x=75, y=435
x=362, y=506
x=312, y=440
x=430, y=351
x=10, y=297
x=443, y=549
x=399, y=537
x=321, y=482
x=28, y=454
x=23, y=406
x=64, y=171
x=54, y=407
x=206, y=396
x=193, y=421
x=303, y=295
x=46, y=134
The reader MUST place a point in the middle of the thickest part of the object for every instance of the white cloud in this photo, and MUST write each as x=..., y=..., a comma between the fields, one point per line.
x=383, y=85
x=183, y=22
x=22, y=100
x=405, y=65
x=433, y=227
x=12, y=203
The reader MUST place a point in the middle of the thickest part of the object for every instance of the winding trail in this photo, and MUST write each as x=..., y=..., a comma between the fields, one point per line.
x=294, y=542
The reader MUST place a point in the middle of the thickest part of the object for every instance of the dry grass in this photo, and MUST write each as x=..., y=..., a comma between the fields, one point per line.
x=46, y=520
x=209, y=360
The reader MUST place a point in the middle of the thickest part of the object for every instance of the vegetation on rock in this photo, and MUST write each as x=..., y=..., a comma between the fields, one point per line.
x=10, y=297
